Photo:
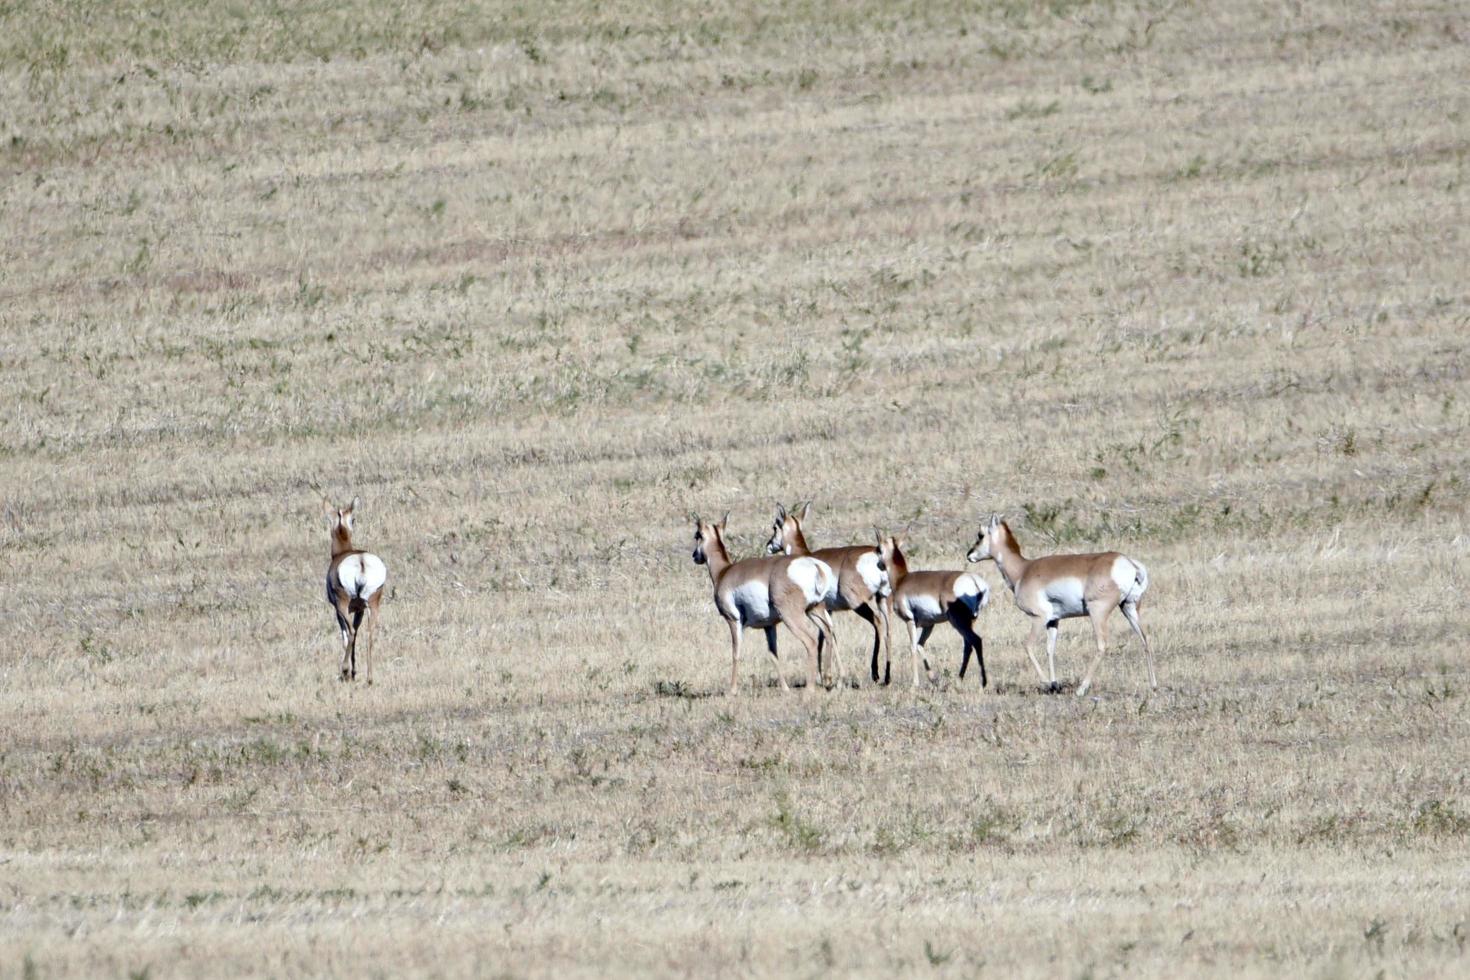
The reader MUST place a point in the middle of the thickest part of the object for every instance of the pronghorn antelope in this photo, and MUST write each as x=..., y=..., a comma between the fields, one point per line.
x=925, y=599
x=758, y=593
x=862, y=580
x=1063, y=586
x=354, y=587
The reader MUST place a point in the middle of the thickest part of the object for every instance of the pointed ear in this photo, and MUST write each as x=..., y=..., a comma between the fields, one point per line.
x=328, y=511
x=780, y=512
x=694, y=516
x=350, y=508
x=806, y=509
x=723, y=521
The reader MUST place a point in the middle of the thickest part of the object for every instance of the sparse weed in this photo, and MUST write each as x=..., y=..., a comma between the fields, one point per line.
x=1440, y=818
x=1026, y=109
x=797, y=832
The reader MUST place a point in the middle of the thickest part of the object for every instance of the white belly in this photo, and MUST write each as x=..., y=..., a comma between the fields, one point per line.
x=1065, y=598
x=750, y=605
x=924, y=609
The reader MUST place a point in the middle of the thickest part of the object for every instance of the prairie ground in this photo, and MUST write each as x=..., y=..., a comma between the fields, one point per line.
x=1186, y=280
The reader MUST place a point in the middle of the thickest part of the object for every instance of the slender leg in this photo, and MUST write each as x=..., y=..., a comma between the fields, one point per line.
x=914, y=649
x=735, y=630
x=372, y=613
x=965, y=627
x=964, y=656
x=923, y=653
x=347, y=651
x=342, y=605
x=346, y=645
x=867, y=613
x=1037, y=625
x=821, y=660
x=979, y=655
x=1051, y=651
x=799, y=624
x=775, y=658
x=1100, y=634
x=885, y=612
x=357, y=615
x=822, y=619
x=1130, y=613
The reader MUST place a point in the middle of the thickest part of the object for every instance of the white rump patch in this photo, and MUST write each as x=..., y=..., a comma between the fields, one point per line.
x=875, y=578
x=362, y=575
x=973, y=592
x=813, y=577
x=1130, y=577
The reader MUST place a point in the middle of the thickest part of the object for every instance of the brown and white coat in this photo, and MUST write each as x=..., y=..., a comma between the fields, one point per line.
x=862, y=581
x=1058, y=587
x=759, y=593
x=924, y=599
x=355, y=581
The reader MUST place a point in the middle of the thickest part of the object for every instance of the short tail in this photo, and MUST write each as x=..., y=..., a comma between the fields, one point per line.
x=826, y=581
x=1133, y=593
x=814, y=577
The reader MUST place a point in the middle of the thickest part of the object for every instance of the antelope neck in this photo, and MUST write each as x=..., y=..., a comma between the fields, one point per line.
x=1008, y=557
x=716, y=557
x=898, y=568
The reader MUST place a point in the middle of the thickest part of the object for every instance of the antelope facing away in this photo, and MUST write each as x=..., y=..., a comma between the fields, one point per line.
x=355, y=582
x=1060, y=587
x=862, y=581
x=925, y=599
x=758, y=593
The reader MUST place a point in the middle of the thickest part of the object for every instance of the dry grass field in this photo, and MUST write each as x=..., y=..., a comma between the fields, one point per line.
x=1184, y=279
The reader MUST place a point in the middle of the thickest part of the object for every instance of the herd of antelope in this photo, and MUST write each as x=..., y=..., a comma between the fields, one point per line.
x=796, y=587
x=792, y=585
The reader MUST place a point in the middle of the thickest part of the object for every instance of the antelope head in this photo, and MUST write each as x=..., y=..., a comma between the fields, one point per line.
x=985, y=542
x=786, y=528
x=340, y=520
x=707, y=534
x=891, y=558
